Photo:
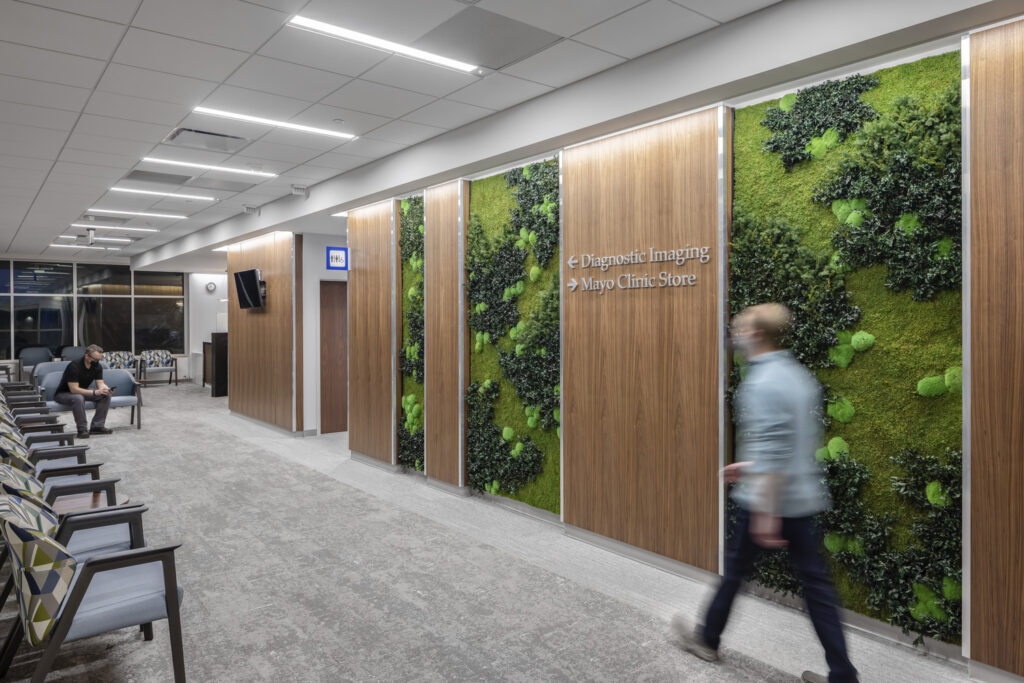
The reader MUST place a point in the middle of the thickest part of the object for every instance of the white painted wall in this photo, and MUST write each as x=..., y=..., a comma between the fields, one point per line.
x=314, y=269
x=206, y=314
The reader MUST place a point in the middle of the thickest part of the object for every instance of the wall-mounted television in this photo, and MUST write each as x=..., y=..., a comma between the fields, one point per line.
x=251, y=288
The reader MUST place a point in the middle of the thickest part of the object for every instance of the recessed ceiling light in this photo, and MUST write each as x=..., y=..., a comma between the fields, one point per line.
x=340, y=214
x=208, y=167
x=379, y=43
x=67, y=237
x=164, y=194
x=112, y=227
x=137, y=213
x=271, y=122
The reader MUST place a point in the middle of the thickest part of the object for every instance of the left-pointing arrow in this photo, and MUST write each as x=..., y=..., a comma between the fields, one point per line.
x=572, y=262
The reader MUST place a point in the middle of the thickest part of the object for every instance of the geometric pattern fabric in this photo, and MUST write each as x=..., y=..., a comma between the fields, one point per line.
x=14, y=482
x=119, y=360
x=157, y=358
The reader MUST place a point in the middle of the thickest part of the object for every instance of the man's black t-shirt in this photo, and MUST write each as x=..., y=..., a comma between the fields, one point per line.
x=77, y=372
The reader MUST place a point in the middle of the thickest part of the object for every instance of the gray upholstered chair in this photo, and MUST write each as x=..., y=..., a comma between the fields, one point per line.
x=72, y=352
x=30, y=356
x=43, y=369
x=127, y=393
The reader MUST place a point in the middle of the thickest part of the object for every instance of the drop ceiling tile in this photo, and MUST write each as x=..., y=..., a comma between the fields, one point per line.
x=215, y=124
x=563, y=63
x=45, y=65
x=321, y=52
x=370, y=148
x=187, y=207
x=15, y=179
x=405, y=132
x=725, y=11
x=41, y=117
x=120, y=128
x=421, y=77
x=102, y=143
x=52, y=30
x=154, y=85
x=40, y=94
x=122, y=161
x=255, y=163
x=24, y=163
x=311, y=174
x=374, y=98
x=447, y=114
x=499, y=91
x=173, y=55
x=119, y=11
x=654, y=24
x=318, y=143
x=253, y=103
x=287, y=6
x=195, y=156
x=28, y=141
x=284, y=78
x=339, y=163
x=228, y=23
x=400, y=21
x=275, y=152
x=99, y=174
x=354, y=122
x=136, y=109
x=564, y=17
x=486, y=39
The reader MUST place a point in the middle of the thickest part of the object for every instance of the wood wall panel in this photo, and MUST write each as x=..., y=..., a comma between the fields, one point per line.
x=640, y=373
x=333, y=356
x=260, y=364
x=997, y=347
x=371, y=329
x=443, y=391
x=297, y=326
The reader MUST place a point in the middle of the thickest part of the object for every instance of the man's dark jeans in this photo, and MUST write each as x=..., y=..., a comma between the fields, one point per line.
x=77, y=403
x=804, y=538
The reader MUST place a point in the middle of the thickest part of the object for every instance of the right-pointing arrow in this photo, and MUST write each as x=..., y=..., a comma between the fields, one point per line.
x=572, y=262
x=573, y=285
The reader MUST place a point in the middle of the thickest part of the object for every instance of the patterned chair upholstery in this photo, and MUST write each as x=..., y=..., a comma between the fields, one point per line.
x=155, y=361
x=130, y=588
x=119, y=360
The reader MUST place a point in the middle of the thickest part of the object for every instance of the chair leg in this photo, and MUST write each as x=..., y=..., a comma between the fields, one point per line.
x=8, y=587
x=11, y=645
x=132, y=420
x=177, y=647
x=49, y=656
x=147, y=631
x=138, y=423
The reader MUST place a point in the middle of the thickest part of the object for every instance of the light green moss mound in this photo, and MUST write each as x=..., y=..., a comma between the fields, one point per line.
x=838, y=448
x=841, y=410
x=930, y=387
x=954, y=379
x=841, y=355
x=862, y=341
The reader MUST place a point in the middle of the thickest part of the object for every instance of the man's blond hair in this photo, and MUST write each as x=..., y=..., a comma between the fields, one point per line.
x=772, y=320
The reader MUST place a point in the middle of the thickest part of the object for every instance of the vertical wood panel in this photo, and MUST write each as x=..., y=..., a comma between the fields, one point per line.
x=297, y=285
x=333, y=356
x=443, y=392
x=640, y=384
x=260, y=340
x=371, y=406
x=997, y=347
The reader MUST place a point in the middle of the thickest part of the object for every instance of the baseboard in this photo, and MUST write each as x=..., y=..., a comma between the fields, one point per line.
x=448, y=488
x=640, y=555
x=373, y=462
x=261, y=423
x=989, y=674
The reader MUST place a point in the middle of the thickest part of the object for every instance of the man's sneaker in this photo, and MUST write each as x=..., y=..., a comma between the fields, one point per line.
x=689, y=638
x=83, y=435
x=811, y=677
x=101, y=430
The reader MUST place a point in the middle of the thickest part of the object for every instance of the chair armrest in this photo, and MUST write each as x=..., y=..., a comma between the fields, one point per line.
x=26, y=418
x=26, y=403
x=37, y=454
x=92, y=468
x=122, y=514
x=62, y=438
x=39, y=409
x=127, y=558
x=46, y=428
x=94, y=486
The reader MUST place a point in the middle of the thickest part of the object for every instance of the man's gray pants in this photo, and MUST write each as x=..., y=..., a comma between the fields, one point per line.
x=77, y=403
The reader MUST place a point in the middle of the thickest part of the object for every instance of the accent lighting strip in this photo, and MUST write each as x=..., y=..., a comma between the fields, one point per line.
x=112, y=227
x=378, y=43
x=137, y=213
x=82, y=246
x=272, y=122
x=340, y=214
x=208, y=167
x=112, y=239
x=164, y=194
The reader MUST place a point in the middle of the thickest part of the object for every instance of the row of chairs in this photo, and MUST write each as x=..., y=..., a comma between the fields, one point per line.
x=80, y=565
x=150, y=362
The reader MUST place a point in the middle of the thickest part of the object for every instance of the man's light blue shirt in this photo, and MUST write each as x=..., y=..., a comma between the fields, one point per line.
x=778, y=428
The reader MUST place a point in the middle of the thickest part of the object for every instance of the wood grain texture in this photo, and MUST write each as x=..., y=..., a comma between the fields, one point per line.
x=640, y=375
x=333, y=356
x=297, y=284
x=371, y=330
x=442, y=392
x=260, y=339
x=997, y=347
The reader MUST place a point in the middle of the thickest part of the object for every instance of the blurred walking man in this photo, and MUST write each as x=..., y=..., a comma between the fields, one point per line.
x=779, y=488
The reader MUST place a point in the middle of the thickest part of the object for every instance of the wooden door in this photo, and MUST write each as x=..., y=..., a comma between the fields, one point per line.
x=333, y=356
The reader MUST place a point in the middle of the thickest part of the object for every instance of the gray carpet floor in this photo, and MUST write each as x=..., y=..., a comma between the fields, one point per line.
x=301, y=564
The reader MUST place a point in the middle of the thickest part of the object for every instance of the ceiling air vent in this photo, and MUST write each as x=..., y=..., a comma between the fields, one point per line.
x=204, y=139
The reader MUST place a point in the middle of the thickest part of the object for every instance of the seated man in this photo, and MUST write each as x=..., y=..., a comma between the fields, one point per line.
x=73, y=391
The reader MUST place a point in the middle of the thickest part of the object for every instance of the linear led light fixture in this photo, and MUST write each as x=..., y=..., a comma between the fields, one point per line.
x=82, y=246
x=137, y=213
x=164, y=194
x=271, y=122
x=208, y=167
x=379, y=43
x=112, y=239
x=112, y=227
x=226, y=247
x=340, y=214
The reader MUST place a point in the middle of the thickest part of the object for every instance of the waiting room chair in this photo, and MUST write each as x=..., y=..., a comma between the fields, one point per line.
x=62, y=599
x=43, y=369
x=30, y=356
x=120, y=360
x=127, y=393
x=156, y=361
x=72, y=352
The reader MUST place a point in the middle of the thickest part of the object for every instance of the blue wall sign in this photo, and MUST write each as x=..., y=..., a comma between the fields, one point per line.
x=337, y=258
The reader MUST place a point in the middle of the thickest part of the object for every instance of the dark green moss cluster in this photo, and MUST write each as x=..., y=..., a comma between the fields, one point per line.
x=493, y=462
x=413, y=352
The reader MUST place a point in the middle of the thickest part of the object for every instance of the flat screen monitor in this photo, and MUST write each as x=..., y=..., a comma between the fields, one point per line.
x=248, y=285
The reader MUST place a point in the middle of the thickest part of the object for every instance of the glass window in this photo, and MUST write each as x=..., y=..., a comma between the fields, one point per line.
x=5, y=328
x=5, y=278
x=32, y=277
x=104, y=279
x=106, y=321
x=43, y=321
x=159, y=284
x=159, y=324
